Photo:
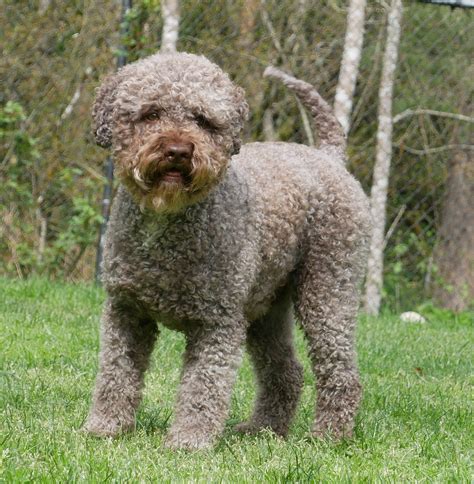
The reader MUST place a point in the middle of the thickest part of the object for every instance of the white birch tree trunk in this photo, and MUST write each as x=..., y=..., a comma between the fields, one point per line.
x=43, y=6
x=378, y=194
x=169, y=37
x=350, y=63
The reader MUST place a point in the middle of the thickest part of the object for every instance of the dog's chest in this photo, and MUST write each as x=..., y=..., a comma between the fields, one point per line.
x=174, y=269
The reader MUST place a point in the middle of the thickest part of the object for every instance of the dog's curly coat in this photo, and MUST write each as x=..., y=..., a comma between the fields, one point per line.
x=222, y=248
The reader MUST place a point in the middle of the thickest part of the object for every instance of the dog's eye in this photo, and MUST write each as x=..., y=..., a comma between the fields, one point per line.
x=151, y=116
x=204, y=123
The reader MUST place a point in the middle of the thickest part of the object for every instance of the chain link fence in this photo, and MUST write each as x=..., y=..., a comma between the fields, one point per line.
x=56, y=54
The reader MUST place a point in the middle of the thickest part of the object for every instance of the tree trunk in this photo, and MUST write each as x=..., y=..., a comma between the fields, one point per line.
x=169, y=38
x=43, y=6
x=378, y=194
x=454, y=255
x=350, y=63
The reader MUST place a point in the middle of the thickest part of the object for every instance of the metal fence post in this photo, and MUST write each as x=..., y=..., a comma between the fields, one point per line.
x=109, y=164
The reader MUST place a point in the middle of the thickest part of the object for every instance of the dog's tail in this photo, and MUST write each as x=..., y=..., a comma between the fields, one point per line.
x=329, y=131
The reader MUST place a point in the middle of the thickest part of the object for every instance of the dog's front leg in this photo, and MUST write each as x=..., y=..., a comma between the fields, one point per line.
x=126, y=344
x=211, y=360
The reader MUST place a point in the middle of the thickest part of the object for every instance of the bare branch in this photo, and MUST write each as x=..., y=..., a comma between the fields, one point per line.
x=271, y=30
x=75, y=97
x=358, y=111
x=304, y=117
x=430, y=112
x=330, y=134
x=394, y=224
x=438, y=149
x=306, y=124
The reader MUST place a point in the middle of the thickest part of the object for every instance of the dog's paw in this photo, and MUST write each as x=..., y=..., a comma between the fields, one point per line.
x=100, y=427
x=247, y=427
x=335, y=433
x=188, y=440
x=252, y=428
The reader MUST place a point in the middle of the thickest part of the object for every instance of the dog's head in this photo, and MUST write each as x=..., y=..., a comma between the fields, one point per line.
x=174, y=121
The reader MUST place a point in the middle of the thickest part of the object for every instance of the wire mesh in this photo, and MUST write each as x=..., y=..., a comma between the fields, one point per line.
x=52, y=54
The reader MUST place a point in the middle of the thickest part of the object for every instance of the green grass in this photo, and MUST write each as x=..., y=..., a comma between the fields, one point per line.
x=415, y=423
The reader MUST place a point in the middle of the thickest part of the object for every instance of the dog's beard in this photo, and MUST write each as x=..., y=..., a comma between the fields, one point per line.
x=166, y=186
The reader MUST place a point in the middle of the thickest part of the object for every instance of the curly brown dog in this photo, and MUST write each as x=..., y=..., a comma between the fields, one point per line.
x=222, y=246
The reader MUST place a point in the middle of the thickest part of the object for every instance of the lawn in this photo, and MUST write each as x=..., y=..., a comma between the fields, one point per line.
x=415, y=423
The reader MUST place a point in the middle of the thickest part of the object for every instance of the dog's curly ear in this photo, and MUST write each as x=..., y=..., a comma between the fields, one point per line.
x=243, y=114
x=102, y=110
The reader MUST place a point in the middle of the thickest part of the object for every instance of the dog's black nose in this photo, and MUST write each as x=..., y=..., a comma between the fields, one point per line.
x=179, y=152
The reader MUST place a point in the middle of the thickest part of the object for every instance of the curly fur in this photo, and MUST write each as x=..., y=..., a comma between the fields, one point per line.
x=223, y=251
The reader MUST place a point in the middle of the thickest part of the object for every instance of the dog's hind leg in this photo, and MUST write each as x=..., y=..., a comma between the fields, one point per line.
x=279, y=374
x=327, y=299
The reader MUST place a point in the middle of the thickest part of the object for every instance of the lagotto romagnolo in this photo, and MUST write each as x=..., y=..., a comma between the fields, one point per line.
x=224, y=243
